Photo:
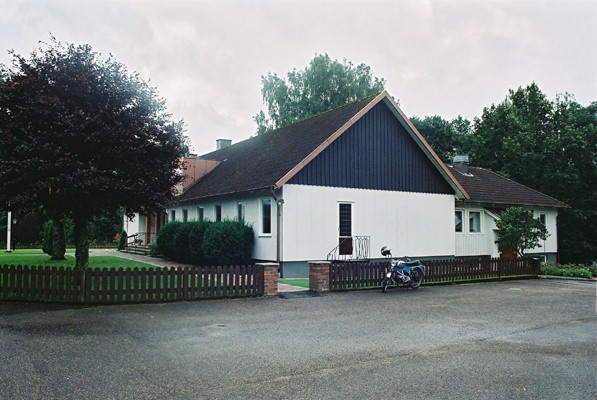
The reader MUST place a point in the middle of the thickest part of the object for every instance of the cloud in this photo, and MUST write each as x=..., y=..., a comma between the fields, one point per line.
x=438, y=57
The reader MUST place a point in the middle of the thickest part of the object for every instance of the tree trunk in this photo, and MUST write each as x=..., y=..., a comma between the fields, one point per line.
x=81, y=243
x=81, y=252
x=58, y=245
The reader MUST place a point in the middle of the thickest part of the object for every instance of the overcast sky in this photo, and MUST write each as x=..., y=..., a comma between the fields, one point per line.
x=206, y=58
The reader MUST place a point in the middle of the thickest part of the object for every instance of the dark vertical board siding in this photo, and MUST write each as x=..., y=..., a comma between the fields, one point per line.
x=375, y=153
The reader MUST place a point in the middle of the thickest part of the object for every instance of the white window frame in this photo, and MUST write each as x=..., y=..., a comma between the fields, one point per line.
x=262, y=224
x=462, y=219
x=480, y=231
x=241, y=211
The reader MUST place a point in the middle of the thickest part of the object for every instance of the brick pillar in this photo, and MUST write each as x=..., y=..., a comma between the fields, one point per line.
x=270, y=279
x=319, y=276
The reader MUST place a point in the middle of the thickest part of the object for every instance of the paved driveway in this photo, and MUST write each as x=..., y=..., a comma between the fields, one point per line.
x=506, y=340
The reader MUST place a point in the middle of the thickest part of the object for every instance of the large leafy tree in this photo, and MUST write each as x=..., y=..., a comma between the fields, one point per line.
x=447, y=138
x=81, y=136
x=517, y=229
x=550, y=146
x=323, y=85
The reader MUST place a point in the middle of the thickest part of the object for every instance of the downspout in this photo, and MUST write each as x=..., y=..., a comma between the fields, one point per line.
x=279, y=203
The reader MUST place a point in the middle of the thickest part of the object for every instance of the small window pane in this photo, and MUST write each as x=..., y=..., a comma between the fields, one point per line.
x=241, y=211
x=218, y=213
x=173, y=215
x=185, y=215
x=458, y=221
x=199, y=213
x=474, y=221
x=266, y=216
x=345, y=220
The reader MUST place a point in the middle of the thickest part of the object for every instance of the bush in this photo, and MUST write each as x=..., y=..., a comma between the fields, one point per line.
x=166, y=239
x=228, y=243
x=182, y=251
x=48, y=240
x=568, y=270
x=206, y=243
x=122, y=240
x=153, y=249
x=196, y=233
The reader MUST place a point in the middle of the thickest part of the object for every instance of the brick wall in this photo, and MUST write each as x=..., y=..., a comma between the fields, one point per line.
x=319, y=276
x=270, y=279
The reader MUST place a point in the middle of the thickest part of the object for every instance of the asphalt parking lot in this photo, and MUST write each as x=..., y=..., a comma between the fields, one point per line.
x=525, y=339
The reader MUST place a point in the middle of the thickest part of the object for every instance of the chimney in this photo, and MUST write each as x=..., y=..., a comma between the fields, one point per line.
x=461, y=164
x=221, y=143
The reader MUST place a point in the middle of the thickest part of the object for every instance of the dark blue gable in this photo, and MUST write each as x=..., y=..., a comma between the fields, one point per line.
x=375, y=153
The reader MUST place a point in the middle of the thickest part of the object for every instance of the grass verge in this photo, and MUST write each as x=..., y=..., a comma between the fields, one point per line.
x=304, y=283
x=35, y=257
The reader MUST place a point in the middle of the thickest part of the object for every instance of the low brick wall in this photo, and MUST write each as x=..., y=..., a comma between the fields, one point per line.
x=270, y=279
x=319, y=276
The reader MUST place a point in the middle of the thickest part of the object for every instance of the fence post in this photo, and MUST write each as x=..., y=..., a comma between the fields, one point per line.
x=319, y=276
x=270, y=278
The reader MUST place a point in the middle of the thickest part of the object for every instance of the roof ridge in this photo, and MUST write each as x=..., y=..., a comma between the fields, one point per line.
x=319, y=115
x=371, y=97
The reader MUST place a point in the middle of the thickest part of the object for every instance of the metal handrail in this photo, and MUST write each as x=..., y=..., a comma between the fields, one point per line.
x=360, y=249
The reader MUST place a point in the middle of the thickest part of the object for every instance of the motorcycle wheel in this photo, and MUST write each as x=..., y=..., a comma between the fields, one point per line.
x=386, y=283
x=416, y=278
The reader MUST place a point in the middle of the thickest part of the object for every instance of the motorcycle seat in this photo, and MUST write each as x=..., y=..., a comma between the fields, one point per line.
x=412, y=263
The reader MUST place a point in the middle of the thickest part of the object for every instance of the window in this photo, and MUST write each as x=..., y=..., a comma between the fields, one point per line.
x=543, y=219
x=458, y=221
x=218, y=209
x=199, y=213
x=240, y=211
x=474, y=221
x=185, y=215
x=266, y=216
x=345, y=226
x=173, y=215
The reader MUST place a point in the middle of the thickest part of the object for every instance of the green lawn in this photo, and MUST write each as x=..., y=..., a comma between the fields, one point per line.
x=36, y=257
x=295, y=282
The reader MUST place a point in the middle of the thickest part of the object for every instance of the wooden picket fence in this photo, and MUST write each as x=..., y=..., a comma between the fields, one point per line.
x=361, y=275
x=136, y=285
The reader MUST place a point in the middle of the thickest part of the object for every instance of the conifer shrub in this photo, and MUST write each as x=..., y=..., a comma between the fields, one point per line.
x=166, y=239
x=207, y=243
x=228, y=243
x=196, y=233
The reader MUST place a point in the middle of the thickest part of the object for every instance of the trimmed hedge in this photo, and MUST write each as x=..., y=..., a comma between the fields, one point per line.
x=228, y=243
x=207, y=243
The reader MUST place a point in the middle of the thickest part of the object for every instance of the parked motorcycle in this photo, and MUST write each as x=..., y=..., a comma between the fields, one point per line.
x=402, y=271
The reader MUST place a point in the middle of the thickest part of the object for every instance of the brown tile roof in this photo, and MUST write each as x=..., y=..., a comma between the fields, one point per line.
x=271, y=159
x=261, y=161
x=489, y=188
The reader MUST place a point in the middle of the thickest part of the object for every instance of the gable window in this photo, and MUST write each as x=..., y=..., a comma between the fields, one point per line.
x=173, y=215
x=218, y=210
x=240, y=211
x=266, y=216
x=199, y=213
x=185, y=215
x=474, y=221
x=458, y=221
